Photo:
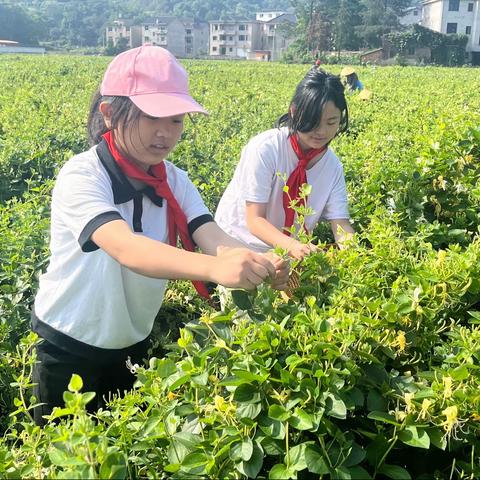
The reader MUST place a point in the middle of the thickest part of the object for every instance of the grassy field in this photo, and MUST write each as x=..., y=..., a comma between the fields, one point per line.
x=371, y=370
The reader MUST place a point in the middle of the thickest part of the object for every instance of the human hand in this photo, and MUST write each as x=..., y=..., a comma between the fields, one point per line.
x=242, y=268
x=282, y=270
x=300, y=250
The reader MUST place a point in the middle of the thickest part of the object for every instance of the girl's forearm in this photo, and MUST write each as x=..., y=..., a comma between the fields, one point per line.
x=268, y=233
x=150, y=257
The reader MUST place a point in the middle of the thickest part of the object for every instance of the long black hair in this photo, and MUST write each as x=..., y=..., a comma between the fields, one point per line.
x=312, y=93
x=123, y=111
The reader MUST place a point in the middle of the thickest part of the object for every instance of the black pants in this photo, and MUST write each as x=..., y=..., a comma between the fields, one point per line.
x=54, y=369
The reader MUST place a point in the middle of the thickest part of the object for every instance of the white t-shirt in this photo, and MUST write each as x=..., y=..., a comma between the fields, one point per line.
x=85, y=294
x=256, y=179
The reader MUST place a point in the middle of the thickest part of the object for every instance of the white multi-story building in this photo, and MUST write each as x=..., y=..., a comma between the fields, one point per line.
x=275, y=38
x=266, y=16
x=235, y=38
x=181, y=36
x=124, y=28
x=411, y=15
x=454, y=16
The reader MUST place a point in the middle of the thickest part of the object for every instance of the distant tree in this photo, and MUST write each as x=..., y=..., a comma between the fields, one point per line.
x=378, y=18
x=17, y=25
x=347, y=20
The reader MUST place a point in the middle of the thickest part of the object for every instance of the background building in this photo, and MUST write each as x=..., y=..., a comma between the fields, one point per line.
x=122, y=29
x=235, y=38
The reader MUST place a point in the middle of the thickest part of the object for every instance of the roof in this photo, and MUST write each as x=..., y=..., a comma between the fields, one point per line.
x=285, y=17
x=8, y=42
x=159, y=20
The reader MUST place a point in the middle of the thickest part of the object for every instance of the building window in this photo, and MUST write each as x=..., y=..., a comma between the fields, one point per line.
x=214, y=49
x=222, y=37
x=230, y=49
x=189, y=31
x=188, y=40
x=454, y=5
x=189, y=50
x=241, y=38
x=147, y=39
x=468, y=30
x=214, y=37
x=146, y=27
x=223, y=51
x=470, y=7
x=162, y=39
x=230, y=38
x=215, y=27
x=110, y=29
x=415, y=13
x=242, y=27
x=451, y=28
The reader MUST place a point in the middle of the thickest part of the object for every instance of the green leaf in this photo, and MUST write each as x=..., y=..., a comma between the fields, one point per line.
x=165, y=368
x=76, y=383
x=241, y=299
x=242, y=450
x=247, y=393
x=114, y=466
x=301, y=420
x=438, y=438
x=415, y=437
x=296, y=457
x=187, y=439
x=248, y=410
x=335, y=407
x=278, y=412
x=252, y=468
x=281, y=472
x=383, y=417
x=271, y=427
x=459, y=373
x=315, y=461
x=395, y=472
x=63, y=459
x=359, y=473
x=195, y=463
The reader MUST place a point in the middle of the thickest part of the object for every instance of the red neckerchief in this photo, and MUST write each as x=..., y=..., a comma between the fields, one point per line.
x=296, y=179
x=177, y=221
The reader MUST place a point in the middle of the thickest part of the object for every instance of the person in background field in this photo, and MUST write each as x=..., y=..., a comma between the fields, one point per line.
x=352, y=82
x=255, y=209
x=116, y=212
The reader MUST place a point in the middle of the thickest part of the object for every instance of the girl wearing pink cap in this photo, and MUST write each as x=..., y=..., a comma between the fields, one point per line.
x=256, y=206
x=117, y=212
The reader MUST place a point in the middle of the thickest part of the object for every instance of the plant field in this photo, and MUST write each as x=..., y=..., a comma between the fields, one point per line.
x=370, y=371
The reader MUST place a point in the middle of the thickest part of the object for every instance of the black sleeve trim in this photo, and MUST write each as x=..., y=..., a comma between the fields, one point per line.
x=85, y=238
x=198, y=222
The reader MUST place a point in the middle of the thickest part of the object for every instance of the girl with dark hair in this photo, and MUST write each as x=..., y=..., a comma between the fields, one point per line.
x=117, y=210
x=256, y=206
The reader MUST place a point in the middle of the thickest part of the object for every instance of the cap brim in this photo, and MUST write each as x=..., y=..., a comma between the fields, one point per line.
x=166, y=104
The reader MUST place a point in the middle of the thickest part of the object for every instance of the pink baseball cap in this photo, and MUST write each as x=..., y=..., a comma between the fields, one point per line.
x=154, y=81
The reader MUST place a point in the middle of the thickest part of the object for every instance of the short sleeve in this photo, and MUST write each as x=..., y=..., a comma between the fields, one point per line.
x=193, y=205
x=336, y=207
x=257, y=171
x=82, y=201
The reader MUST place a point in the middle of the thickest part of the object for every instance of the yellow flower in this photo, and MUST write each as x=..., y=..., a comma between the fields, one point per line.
x=408, y=400
x=447, y=385
x=219, y=403
x=424, y=410
x=401, y=341
x=451, y=414
x=171, y=396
